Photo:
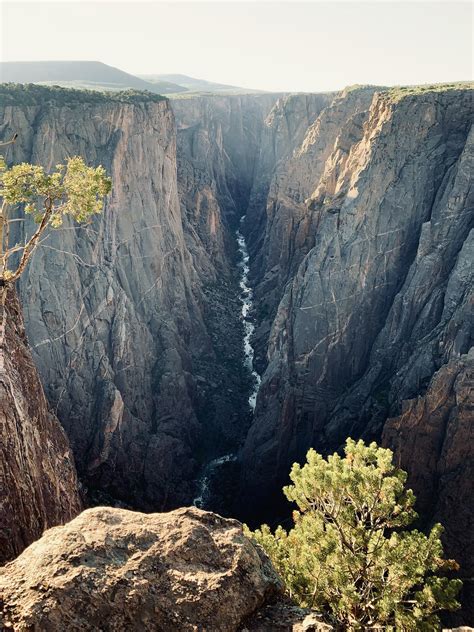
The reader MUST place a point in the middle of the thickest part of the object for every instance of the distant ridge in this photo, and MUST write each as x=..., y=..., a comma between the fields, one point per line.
x=80, y=74
x=95, y=75
x=195, y=85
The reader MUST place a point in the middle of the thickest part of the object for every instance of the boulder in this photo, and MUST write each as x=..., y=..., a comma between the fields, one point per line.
x=113, y=569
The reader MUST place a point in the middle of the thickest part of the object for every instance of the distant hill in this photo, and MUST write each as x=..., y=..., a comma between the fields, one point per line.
x=194, y=85
x=94, y=75
x=80, y=74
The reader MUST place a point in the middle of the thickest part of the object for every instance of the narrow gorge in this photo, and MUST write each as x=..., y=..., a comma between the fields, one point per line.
x=246, y=298
x=209, y=478
x=271, y=272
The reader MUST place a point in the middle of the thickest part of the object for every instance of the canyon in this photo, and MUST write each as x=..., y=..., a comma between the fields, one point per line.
x=331, y=234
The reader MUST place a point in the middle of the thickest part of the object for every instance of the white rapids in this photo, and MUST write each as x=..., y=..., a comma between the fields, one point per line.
x=246, y=298
x=203, y=485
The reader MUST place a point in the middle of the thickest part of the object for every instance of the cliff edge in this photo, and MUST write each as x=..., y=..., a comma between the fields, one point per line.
x=38, y=482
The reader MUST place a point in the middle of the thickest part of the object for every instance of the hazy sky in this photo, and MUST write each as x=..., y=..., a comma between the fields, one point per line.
x=269, y=45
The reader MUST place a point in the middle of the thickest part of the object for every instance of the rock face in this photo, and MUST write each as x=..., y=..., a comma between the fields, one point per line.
x=377, y=309
x=432, y=440
x=113, y=309
x=359, y=218
x=285, y=616
x=218, y=140
x=38, y=483
x=119, y=570
x=133, y=320
x=301, y=134
x=380, y=299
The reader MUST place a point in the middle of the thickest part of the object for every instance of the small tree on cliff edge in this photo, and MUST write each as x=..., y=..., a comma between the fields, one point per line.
x=72, y=189
x=349, y=554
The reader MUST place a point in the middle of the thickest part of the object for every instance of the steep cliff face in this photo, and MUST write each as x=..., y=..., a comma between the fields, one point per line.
x=134, y=320
x=370, y=313
x=38, y=483
x=284, y=129
x=114, y=310
x=432, y=439
x=218, y=140
x=219, y=151
x=301, y=132
x=359, y=226
x=379, y=310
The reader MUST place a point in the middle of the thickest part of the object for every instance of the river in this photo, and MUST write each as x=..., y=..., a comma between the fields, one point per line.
x=246, y=300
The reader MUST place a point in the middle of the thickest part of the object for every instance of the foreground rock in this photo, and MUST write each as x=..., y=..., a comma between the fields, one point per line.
x=38, y=483
x=285, y=616
x=112, y=569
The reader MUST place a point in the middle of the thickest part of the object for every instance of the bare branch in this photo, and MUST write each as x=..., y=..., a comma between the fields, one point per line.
x=33, y=242
x=11, y=141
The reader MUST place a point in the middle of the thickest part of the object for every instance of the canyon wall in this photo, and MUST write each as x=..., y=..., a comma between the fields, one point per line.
x=218, y=140
x=38, y=482
x=115, y=310
x=300, y=134
x=133, y=320
x=364, y=280
x=358, y=219
x=379, y=298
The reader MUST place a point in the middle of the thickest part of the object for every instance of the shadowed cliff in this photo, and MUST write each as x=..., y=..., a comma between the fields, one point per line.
x=38, y=482
x=364, y=276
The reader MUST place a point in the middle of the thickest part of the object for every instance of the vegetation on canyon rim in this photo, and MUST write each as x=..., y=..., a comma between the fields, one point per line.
x=34, y=94
x=349, y=553
x=72, y=189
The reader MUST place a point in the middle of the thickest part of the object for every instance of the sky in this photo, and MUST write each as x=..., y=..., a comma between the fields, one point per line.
x=290, y=46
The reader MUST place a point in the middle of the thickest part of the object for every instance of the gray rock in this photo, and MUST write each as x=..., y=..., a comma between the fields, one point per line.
x=379, y=302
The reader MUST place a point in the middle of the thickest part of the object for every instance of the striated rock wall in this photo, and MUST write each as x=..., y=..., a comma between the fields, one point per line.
x=359, y=217
x=301, y=132
x=134, y=320
x=114, y=310
x=380, y=301
x=433, y=440
x=38, y=482
x=219, y=151
x=218, y=140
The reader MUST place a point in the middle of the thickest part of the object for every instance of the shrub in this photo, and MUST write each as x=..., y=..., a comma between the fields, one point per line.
x=350, y=554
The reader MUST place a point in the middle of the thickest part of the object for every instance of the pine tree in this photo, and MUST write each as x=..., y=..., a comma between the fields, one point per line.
x=72, y=189
x=350, y=554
